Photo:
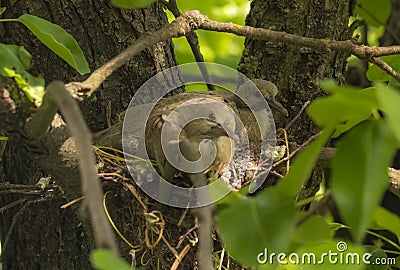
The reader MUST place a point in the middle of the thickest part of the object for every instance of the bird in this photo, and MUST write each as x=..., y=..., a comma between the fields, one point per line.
x=252, y=110
x=213, y=132
x=268, y=90
x=209, y=133
x=252, y=91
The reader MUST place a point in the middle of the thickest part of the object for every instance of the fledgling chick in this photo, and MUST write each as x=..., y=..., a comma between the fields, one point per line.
x=212, y=121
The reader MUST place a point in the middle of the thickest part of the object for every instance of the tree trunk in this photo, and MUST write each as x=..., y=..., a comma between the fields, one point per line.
x=296, y=71
x=36, y=233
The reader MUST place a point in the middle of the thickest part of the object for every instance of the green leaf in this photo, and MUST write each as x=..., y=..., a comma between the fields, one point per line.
x=57, y=40
x=359, y=173
x=389, y=100
x=32, y=87
x=252, y=224
x=132, y=3
x=374, y=12
x=345, y=107
x=104, y=259
x=314, y=230
x=2, y=9
x=386, y=220
x=14, y=57
x=25, y=57
x=375, y=73
x=302, y=167
x=14, y=60
x=377, y=255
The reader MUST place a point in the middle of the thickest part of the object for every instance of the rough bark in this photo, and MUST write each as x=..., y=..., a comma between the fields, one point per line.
x=296, y=71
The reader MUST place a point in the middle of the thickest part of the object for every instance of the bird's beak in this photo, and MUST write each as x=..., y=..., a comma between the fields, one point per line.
x=276, y=105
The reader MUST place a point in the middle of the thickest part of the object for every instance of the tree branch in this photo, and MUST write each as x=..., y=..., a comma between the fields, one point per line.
x=386, y=67
x=193, y=20
x=91, y=187
x=193, y=41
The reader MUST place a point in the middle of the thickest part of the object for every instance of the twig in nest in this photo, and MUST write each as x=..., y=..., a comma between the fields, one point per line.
x=297, y=115
x=287, y=148
x=295, y=151
x=68, y=204
x=181, y=256
x=182, y=238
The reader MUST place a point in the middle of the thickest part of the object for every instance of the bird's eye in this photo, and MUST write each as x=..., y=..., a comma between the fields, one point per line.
x=257, y=94
x=211, y=116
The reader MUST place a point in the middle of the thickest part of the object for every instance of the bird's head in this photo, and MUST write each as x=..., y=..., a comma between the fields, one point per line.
x=267, y=89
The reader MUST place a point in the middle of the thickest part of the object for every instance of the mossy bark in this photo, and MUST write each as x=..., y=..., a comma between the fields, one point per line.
x=296, y=70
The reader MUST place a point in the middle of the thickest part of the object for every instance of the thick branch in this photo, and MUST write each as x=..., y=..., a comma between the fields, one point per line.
x=193, y=20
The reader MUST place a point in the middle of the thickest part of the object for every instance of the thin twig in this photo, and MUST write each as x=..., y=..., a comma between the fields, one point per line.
x=221, y=260
x=12, y=204
x=385, y=66
x=287, y=148
x=193, y=41
x=182, y=218
x=181, y=238
x=68, y=204
x=204, y=213
x=181, y=256
x=305, y=105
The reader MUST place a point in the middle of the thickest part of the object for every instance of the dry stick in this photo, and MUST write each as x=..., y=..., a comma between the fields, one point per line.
x=91, y=187
x=298, y=115
x=181, y=256
x=385, y=66
x=295, y=150
x=12, y=204
x=193, y=20
x=204, y=213
x=193, y=41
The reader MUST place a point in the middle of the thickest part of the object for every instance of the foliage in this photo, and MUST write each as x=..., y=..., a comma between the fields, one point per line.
x=104, y=259
x=366, y=123
x=220, y=48
x=359, y=178
x=374, y=12
x=57, y=40
x=15, y=60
